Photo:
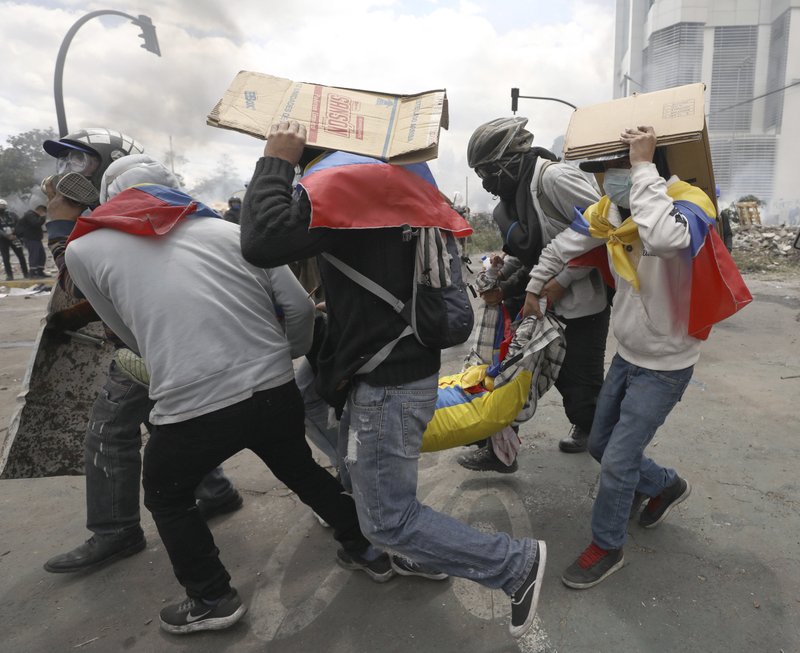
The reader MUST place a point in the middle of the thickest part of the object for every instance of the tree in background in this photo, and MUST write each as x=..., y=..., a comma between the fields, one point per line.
x=24, y=163
x=485, y=236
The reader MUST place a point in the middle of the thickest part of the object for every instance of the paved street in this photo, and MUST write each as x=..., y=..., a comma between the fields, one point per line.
x=721, y=574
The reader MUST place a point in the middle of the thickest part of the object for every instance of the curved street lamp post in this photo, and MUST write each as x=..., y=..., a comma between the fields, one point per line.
x=150, y=44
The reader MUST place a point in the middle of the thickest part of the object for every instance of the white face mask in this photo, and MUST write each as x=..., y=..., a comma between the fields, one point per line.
x=617, y=185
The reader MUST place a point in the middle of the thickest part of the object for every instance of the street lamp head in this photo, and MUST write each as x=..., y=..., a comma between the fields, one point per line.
x=148, y=34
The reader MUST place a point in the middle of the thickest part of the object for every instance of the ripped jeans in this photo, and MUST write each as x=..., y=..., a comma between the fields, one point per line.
x=113, y=459
x=380, y=436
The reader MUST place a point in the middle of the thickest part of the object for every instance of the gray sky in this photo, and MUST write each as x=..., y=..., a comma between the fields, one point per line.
x=476, y=49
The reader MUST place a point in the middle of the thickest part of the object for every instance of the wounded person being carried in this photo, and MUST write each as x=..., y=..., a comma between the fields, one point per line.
x=505, y=375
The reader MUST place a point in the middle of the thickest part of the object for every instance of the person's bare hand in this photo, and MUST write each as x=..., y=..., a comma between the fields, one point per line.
x=63, y=208
x=286, y=141
x=642, y=143
x=531, y=306
x=492, y=297
x=553, y=290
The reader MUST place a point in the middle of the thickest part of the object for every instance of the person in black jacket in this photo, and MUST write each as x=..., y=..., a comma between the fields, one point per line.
x=8, y=240
x=384, y=412
x=29, y=231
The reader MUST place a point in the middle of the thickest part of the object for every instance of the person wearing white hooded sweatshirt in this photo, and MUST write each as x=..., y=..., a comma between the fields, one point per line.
x=218, y=336
x=649, y=227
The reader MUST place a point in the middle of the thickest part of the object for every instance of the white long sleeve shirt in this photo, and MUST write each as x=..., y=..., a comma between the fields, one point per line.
x=651, y=324
x=202, y=318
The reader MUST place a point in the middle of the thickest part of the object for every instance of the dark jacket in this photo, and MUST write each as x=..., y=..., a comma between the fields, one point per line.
x=29, y=226
x=275, y=231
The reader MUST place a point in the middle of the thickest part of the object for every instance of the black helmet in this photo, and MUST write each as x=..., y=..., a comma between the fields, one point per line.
x=106, y=144
x=497, y=139
x=234, y=200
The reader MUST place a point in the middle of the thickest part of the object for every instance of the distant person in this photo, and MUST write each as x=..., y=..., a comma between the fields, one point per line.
x=234, y=209
x=30, y=232
x=112, y=448
x=647, y=230
x=9, y=241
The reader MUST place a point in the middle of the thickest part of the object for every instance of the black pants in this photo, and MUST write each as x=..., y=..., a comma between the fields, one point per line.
x=5, y=245
x=178, y=456
x=581, y=374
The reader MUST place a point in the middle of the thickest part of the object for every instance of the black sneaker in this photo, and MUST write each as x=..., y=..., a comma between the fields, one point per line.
x=526, y=598
x=592, y=566
x=94, y=553
x=406, y=567
x=576, y=442
x=485, y=460
x=638, y=499
x=208, y=510
x=659, y=507
x=380, y=570
x=195, y=614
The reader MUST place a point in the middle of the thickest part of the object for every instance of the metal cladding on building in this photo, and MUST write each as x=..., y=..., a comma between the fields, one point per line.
x=747, y=52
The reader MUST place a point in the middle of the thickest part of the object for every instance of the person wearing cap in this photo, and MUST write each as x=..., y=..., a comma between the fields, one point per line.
x=8, y=241
x=645, y=231
x=537, y=198
x=112, y=447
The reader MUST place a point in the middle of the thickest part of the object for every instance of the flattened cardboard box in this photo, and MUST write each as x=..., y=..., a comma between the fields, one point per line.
x=676, y=114
x=395, y=128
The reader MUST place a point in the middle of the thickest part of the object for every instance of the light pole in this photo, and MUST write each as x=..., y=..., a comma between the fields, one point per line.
x=515, y=99
x=150, y=44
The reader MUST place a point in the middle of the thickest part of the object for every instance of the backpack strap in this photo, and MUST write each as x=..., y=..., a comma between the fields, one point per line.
x=544, y=201
x=381, y=292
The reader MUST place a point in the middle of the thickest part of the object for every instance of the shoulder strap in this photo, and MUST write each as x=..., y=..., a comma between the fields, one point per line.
x=381, y=292
x=365, y=282
x=546, y=203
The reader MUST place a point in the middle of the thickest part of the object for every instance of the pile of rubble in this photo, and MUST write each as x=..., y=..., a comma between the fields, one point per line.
x=765, y=247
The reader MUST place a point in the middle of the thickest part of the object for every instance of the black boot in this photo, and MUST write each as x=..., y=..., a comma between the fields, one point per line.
x=576, y=442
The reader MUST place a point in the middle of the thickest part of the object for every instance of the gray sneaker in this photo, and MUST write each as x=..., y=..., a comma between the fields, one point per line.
x=592, y=566
x=380, y=570
x=660, y=506
x=406, y=567
x=195, y=614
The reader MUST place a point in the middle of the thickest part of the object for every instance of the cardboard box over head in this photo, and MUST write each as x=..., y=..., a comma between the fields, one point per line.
x=676, y=114
x=394, y=128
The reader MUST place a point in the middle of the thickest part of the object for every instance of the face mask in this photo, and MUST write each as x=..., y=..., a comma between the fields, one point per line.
x=501, y=178
x=617, y=185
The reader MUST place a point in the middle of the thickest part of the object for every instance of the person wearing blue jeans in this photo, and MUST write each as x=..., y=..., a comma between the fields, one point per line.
x=634, y=402
x=385, y=410
x=650, y=225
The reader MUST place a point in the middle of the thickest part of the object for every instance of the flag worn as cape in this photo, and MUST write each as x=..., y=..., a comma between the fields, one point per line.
x=349, y=191
x=144, y=210
x=718, y=290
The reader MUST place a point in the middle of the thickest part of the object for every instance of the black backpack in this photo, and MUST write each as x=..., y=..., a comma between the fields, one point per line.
x=439, y=313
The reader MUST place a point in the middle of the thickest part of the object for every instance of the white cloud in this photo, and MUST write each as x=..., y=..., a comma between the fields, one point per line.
x=470, y=48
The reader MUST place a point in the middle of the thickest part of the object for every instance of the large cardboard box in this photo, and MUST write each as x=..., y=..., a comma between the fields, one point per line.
x=394, y=128
x=676, y=114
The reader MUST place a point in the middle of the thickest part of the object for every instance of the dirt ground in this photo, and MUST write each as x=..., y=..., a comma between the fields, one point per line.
x=721, y=575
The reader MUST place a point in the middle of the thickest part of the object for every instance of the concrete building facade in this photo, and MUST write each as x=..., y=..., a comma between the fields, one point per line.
x=747, y=52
